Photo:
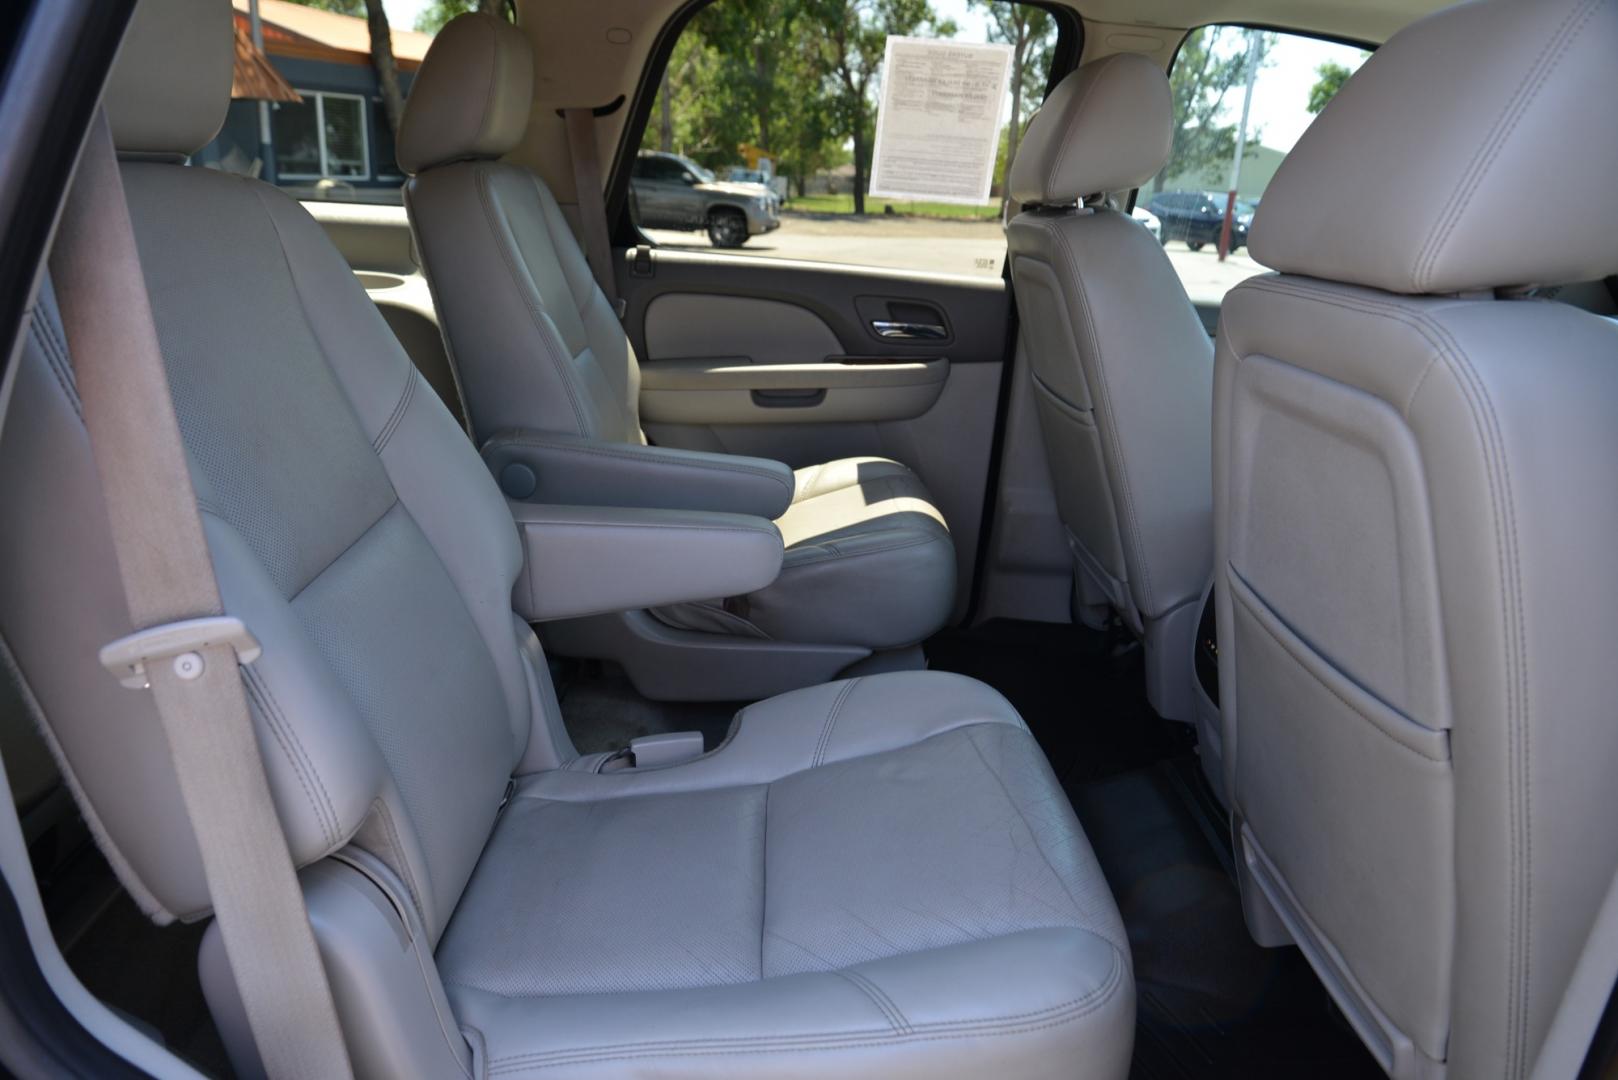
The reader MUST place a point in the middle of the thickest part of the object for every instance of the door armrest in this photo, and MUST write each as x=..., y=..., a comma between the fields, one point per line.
x=549, y=467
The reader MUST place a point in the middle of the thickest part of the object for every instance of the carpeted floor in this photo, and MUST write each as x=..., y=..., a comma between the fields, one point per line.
x=1212, y=1004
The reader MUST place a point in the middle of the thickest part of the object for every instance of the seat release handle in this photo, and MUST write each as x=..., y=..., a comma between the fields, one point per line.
x=669, y=748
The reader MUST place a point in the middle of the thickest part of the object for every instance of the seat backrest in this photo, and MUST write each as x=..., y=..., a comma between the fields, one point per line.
x=1415, y=505
x=534, y=340
x=1122, y=366
x=352, y=527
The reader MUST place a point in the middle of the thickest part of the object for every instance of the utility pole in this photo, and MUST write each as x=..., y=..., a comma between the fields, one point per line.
x=1255, y=57
x=266, y=146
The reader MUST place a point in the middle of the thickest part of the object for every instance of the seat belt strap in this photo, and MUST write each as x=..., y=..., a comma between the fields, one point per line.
x=186, y=651
x=581, y=146
x=1567, y=1044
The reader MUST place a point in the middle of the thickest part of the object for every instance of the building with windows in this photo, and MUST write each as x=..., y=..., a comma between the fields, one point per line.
x=334, y=142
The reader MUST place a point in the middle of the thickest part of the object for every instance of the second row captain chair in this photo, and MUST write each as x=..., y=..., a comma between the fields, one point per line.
x=551, y=386
x=1121, y=364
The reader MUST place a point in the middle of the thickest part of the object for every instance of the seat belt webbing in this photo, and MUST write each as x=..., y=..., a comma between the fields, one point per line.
x=581, y=145
x=183, y=648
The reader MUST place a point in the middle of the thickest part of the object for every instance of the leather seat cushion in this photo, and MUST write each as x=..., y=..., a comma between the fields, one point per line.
x=729, y=915
x=869, y=561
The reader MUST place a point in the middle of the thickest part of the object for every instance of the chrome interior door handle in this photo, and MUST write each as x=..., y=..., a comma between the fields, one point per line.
x=908, y=331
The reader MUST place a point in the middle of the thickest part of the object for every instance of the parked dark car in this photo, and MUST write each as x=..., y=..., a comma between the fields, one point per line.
x=1197, y=216
x=668, y=191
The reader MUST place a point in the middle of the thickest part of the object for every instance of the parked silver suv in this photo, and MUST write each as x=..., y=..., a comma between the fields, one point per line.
x=668, y=191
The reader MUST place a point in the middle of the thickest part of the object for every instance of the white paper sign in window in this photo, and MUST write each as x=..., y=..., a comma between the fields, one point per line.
x=938, y=124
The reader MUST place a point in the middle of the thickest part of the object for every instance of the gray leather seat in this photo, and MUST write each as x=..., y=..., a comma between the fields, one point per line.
x=878, y=877
x=536, y=345
x=1414, y=481
x=1122, y=366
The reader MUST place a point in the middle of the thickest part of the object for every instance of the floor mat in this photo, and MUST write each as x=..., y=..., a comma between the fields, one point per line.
x=1078, y=689
x=602, y=711
x=1211, y=1003
x=145, y=972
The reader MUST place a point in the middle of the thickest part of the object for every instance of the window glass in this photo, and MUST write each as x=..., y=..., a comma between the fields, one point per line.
x=347, y=154
x=310, y=111
x=324, y=135
x=1222, y=76
x=297, y=138
x=772, y=106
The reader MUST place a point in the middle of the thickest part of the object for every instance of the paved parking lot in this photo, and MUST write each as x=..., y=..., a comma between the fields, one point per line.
x=949, y=247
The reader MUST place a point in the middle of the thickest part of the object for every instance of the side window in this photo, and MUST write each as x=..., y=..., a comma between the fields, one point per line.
x=778, y=110
x=1242, y=99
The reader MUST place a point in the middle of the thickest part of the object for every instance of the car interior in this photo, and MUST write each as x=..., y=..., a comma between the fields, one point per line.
x=473, y=636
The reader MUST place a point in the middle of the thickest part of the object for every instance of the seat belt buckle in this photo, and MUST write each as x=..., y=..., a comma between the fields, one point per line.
x=620, y=307
x=128, y=658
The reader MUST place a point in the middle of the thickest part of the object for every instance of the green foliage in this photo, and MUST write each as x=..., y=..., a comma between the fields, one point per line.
x=1208, y=75
x=1331, y=77
x=794, y=78
x=436, y=14
x=1030, y=32
x=341, y=7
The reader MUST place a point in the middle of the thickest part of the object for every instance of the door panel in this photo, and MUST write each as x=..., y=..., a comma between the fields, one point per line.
x=722, y=391
x=702, y=325
x=713, y=331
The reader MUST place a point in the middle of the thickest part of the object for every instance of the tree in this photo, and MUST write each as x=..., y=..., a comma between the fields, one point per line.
x=752, y=37
x=1027, y=29
x=387, y=71
x=1211, y=64
x=436, y=14
x=1332, y=76
x=853, y=37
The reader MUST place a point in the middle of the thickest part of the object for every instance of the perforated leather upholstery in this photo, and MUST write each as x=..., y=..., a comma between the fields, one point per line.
x=878, y=877
x=1413, y=584
x=537, y=346
x=1121, y=365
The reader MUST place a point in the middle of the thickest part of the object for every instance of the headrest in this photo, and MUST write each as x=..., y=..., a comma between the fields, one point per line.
x=170, y=86
x=1477, y=149
x=472, y=96
x=1106, y=127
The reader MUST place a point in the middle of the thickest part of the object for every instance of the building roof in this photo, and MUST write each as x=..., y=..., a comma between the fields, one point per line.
x=312, y=34
x=254, y=77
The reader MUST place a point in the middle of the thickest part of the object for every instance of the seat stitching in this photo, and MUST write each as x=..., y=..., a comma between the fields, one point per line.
x=398, y=413
x=1078, y=908
x=406, y=872
x=1498, y=135
x=361, y=535
x=480, y=182
x=296, y=755
x=497, y=442
x=48, y=346
x=571, y=798
x=837, y=554
x=296, y=281
x=1076, y=111
x=763, y=877
x=1355, y=709
x=831, y=722
x=878, y=997
x=768, y=530
x=1015, y=1023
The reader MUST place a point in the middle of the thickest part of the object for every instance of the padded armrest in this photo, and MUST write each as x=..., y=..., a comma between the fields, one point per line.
x=546, y=467
x=589, y=560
